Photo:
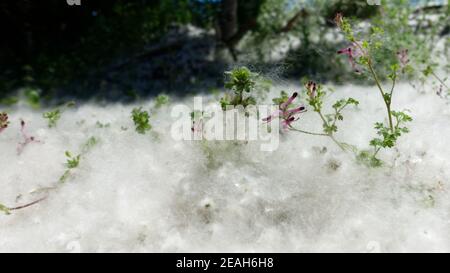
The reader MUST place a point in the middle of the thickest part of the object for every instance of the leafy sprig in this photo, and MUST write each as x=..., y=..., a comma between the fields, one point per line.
x=55, y=115
x=141, y=120
x=240, y=80
x=364, y=51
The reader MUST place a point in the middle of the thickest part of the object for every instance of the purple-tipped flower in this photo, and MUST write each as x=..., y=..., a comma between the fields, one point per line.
x=354, y=51
x=287, y=115
x=311, y=88
x=27, y=139
x=403, y=58
x=339, y=19
x=3, y=121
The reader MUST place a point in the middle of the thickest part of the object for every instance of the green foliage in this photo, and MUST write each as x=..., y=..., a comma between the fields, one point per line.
x=369, y=50
x=315, y=98
x=332, y=119
x=161, y=100
x=71, y=163
x=392, y=30
x=53, y=117
x=240, y=80
x=5, y=209
x=316, y=95
x=427, y=71
x=70, y=44
x=33, y=97
x=89, y=144
x=100, y=125
x=141, y=120
x=369, y=159
x=8, y=101
x=388, y=137
x=281, y=99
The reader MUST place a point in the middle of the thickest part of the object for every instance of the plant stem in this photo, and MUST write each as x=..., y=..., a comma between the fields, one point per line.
x=378, y=83
x=388, y=103
x=394, y=80
x=306, y=132
x=29, y=204
x=376, y=151
x=439, y=79
x=337, y=142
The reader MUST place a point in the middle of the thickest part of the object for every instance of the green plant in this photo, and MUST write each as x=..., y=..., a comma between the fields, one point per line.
x=240, y=80
x=141, y=120
x=101, y=125
x=72, y=163
x=54, y=115
x=315, y=96
x=361, y=56
x=396, y=31
x=33, y=97
x=287, y=112
x=161, y=100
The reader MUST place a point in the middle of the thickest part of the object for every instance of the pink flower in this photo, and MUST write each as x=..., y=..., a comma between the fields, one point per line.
x=27, y=139
x=3, y=121
x=311, y=88
x=354, y=51
x=403, y=58
x=287, y=115
x=339, y=19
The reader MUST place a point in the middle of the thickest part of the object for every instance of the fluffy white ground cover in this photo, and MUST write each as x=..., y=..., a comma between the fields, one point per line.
x=150, y=193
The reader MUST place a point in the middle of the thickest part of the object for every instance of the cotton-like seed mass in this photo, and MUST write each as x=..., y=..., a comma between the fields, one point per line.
x=147, y=192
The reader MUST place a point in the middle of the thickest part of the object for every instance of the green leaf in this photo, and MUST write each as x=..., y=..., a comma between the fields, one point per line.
x=5, y=209
x=161, y=100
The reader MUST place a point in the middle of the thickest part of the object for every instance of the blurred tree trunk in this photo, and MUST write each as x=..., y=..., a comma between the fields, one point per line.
x=228, y=19
x=235, y=19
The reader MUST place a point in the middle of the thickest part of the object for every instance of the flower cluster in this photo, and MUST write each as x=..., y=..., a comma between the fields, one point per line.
x=286, y=112
x=3, y=121
x=354, y=51
x=403, y=58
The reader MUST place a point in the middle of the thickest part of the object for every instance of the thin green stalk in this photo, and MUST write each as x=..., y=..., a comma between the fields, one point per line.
x=337, y=142
x=439, y=79
x=330, y=134
x=394, y=80
x=378, y=83
x=306, y=132
x=388, y=103
x=376, y=151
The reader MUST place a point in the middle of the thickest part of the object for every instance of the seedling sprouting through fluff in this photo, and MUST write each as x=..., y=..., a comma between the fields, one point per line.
x=161, y=100
x=72, y=163
x=141, y=120
x=54, y=115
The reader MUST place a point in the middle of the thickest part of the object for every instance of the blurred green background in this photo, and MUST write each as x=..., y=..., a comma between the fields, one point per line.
x=126, y=50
